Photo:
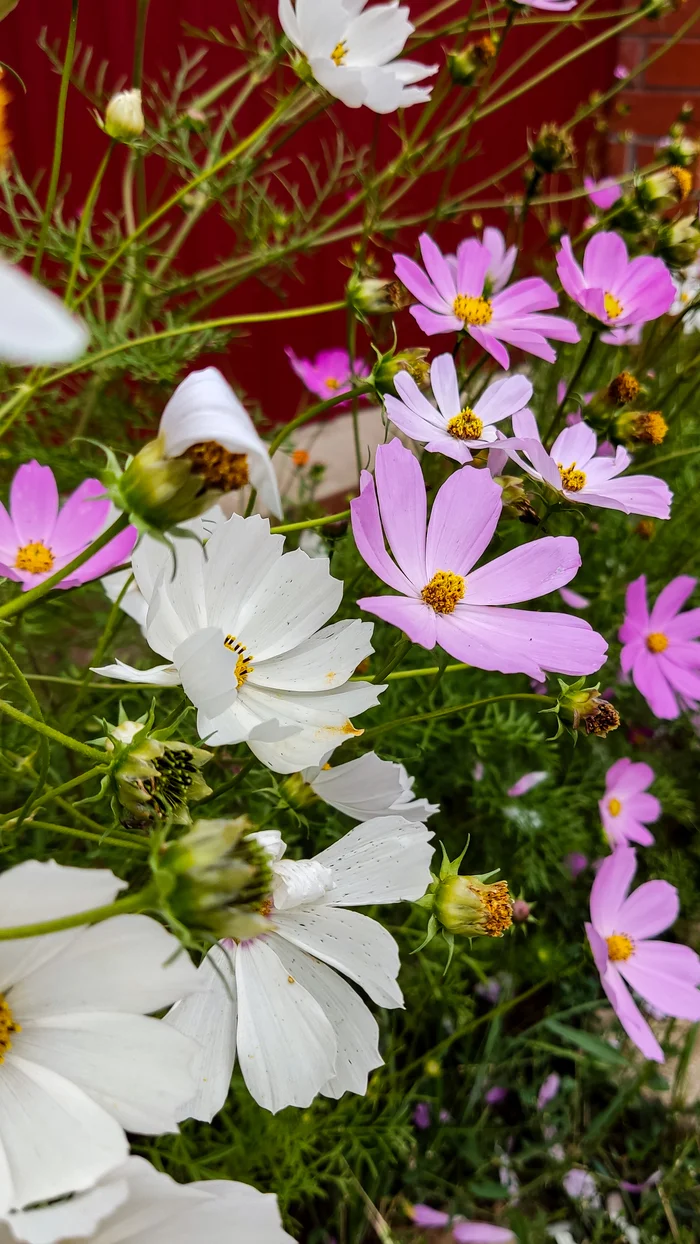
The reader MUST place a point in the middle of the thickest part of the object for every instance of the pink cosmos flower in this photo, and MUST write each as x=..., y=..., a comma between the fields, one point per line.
x=458, y=301
x=527, y=782
x=454, y=429
x=462, y=1231
x=581, y=1186
x=660, y=649
x=625, y=807
x=495, y=1095
x=331, y=372
x=665, y=974
x=501, y=263
x=548, y=1090
x=603, y=194
x=630, y=336
x=575, y=863
x=442, y=600
x=613, y=288
x=574, y=468
x=37, y=538
x=620, y=72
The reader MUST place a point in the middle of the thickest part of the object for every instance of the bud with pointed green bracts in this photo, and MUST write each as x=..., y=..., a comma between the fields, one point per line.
x=664, y=188
x=465, y=905
x=641, y=427
x=467, y=66
x=371, y=295
x=223, y=879
x=584, y=708
x=413, y=360
x=553, y=149
x=124, y=119
x=153, y=777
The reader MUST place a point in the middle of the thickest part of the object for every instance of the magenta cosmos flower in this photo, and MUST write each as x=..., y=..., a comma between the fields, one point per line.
x=665, y=974
x=626, y=808
x=463, y=1231
x=575, y=468
x=602, y=194
x=451, y=427
x=331, y=372
x=37, y=538
x=660, y=648
x=442, y=599
x=612, y=287
x=501, y=262
x=457, y=300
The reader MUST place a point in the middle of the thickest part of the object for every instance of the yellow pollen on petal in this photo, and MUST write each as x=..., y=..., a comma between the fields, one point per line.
x=34, y=558
x=572, y=479
x=244, y=664
x=7, y=1028
x=332, y=384
x=218, y=467
x=657, y=642
x=613, y=307
x=477, y=311
x=614, y=807
x=620, y=947
x=444, y=591
x=466, y=426
x=339, y=53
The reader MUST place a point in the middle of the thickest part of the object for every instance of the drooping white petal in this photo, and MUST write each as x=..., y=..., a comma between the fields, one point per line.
x=383, y=861
x=210, y=1017
x=161, y=675
x=300, y=881
x=286, y=1045
x=357, y=946
x=132, y=602
x=35, y=327
x=369, y=787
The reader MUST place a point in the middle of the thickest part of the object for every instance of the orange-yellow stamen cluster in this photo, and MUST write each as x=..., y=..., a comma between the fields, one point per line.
x=620, y=947
x=613, y=306
x=476, y=311
x=499, y=908
x=444, y=591
x=333, y=384
x=650, y=427
x=614, y=807
x=244, y=664
x=683, y=179
x=7, y=1028
x=218, y=466
x=657, y=642
x=466, y=426
x=34, y=558
x=572, y=479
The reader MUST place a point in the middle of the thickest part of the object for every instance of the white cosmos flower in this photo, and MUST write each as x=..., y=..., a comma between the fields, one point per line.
x=352, y=51
x=80, y=1061
x=239, y=624
x=369, y=787
x=297, y=1026
x=35, y=327
x=205, y=413
x=136, y=1204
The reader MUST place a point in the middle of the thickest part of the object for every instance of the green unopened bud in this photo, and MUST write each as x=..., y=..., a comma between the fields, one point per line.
x=468, y=906
x=664, y=188
x=413, y=360
x=678, y=243
x=297, y=792
x=124, y=119
x=223, y=879
x=194, y=119
x=516, y=503
x=154, y=778
x=553, y=149
x=641, y=427
x=584, y=708
x=466, y=67
x=160, y=492
x=681, y=150
x=625, y=388
x=372, y=296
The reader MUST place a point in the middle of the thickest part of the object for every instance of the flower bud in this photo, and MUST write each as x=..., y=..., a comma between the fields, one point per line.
x=624, y=389
x=553, y=149
x=154, y=778
x=521, y=911
x=516, y=503
x=297, y=791
x=681, y=150
x=373, y=296
x=641, y=427
x=468, y=65
x=665, y=187
x=466, y=905
x=585, y=708
x=678, y=243
x=645, y=528
x=413, y=360
x=222, y=879
x=124, y=116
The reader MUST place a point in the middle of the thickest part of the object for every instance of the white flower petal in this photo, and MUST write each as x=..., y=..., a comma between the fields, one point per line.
x=357, y=946
x=355, y=1027
x=254, y=1216
x=325, y=660
x=297, y=596
x=369, y=787
x=286, y=1045
x=383, y=861
x=162, y=675
x=77, y=1218
x=54, y=1138
x=299, y=882
x=207, y=669
x=35, y=327
x=209, y=1017
x=239, y=555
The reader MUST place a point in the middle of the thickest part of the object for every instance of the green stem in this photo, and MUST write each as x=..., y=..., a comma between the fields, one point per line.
x=428, y=672
x=307, y=415
x=397, y=654
x=40, y=727
x=18, y=604
x=582, y=364
x=55, y=792
x=232, y=784
x=85, y=220
x=58, y=139
x=450, y=709
x=138, y=902
x=310, y=522
x=113, y=619
x=89, y=836
x=44, y=754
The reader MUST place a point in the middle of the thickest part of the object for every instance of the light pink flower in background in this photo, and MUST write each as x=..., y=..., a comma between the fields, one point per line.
x=573, y=599
x=575, y=863
x=478, y=772
x=650, y=1182
x=442, y=600
x=549, y=6
x=548, y=1091
x=665, y=974
x=527, y=782
x=602, y=194
x=39, y=536
x=581, y=1186
x=629, y=336
x=462, y=1231
x=625, y=807
x=660, y=648
x=421, y=1115
x=452, y=302
x=495, y=1095
x=620, y=72
x=329, y=373
x=490, y=990
x=502, y=260
x=574, y=468
x=454, y=428
x=612, y=287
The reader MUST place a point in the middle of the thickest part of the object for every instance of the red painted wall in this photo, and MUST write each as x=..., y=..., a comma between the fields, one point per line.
x=257, y=361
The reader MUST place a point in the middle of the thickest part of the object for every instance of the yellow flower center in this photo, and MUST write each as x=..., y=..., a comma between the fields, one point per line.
x=614, y=807
x=572, y=479
x=657, y=642
x=613, y=307
x=218, y=467
x=499, y=908
x=7, y=1027
x=620, y=947
x=650, y=427
x=332, y=384
x=473, y=310
x=244, y=664
x=35, y=558
x=444, y=591
x=339, y=53
x=466, y=426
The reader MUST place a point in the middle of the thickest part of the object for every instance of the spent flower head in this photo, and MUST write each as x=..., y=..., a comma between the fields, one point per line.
x=153, y=776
